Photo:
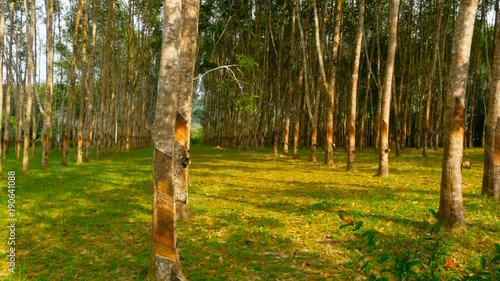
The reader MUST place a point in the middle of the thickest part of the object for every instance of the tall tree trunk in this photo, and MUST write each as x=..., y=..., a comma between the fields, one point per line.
x=47, y=120
x=30, y=30
x=314, y=125
x=451, y=208
x=330, y=83
x=432, y=75
x=166, y=265
x=84, y=90
x=89, y=116
x=491, y=176
x=2, y=24
x=189, y=42
x=279, y=100
x=105, y=76
x=10, y=82
x=351, y=127
x=34, y=122
x=286, y=128
x=289, y=88
x=395, y=109
x=383, y=168
x=296, y=118
x=72, y=87
x=378, y=112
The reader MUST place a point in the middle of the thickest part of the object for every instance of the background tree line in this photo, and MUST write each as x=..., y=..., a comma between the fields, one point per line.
x=272, y=90
x=96, y=85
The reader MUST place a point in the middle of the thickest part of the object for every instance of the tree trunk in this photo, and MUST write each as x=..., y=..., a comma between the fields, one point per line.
x=491, y=176
x=105, y=85
x=330, y=83
x=84, y=89
x=89, y=116
x=451, y=208
x=189, y=42
x=10, y=82
x=2, y=24
x=30, y=30
x=383, y=169
x=286, y=129
x=351, y=127
x=34, y=122
x=47, y=120
x=165, y=263
x=296, y=118
x=430, y=81
x=378, y=112
x=72, y=88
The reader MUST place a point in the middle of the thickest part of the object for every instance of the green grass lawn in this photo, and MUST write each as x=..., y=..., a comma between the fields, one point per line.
x=254, y=217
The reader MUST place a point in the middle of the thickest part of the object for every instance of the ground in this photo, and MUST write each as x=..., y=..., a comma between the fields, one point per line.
x=254, y=217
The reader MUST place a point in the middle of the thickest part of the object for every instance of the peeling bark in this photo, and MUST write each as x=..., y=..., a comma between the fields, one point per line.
x=169, y=131
x=451, y=208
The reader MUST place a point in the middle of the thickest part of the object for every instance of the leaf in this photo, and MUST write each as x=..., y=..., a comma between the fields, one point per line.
x=434, y=213
x=384, y=257
x=413, y=263
x=483, y=263
x=359, y=224
x=344, y=226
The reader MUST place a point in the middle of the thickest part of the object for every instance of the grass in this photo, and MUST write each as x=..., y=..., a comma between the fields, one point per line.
x=254, y=217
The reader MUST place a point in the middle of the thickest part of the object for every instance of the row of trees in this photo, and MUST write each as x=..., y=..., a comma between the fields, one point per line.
x=97, y=87
x=251, y=114
x=294, y=70
x=287, y=71
x=270, y=72
x=106, y=63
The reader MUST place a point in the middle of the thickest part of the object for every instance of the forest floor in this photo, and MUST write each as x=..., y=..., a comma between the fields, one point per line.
x=254, y=217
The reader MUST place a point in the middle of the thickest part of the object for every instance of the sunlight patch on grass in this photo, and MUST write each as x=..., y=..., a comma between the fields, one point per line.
x=254, y=216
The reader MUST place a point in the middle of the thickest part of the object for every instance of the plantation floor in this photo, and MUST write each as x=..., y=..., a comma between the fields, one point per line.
x=254, y=217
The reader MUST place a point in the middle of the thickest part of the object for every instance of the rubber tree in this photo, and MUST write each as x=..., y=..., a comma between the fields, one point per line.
x=451, y=209
x=491, y=176
x=351, y=127
x=383, y=168
x=165, y=258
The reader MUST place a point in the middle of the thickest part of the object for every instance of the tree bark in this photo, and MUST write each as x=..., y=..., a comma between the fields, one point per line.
x=330, y=83
x=296, y=118
x=72, y=88
x=89, y=116
x=491, y=176
x=10, y=82
x=2, y=24
x=378, y=78
x=30, y=30
x=84, y=89
x=430, y=81
x=383, y=168
x=351, y=124
x=451, y=208
x=105, y=85
x=189, y=43
x=165, y=262
x=47, y=120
